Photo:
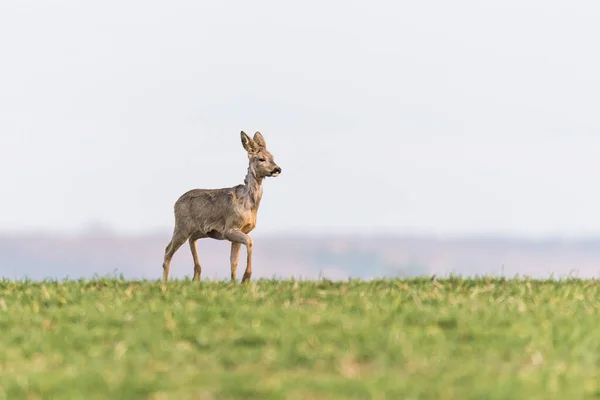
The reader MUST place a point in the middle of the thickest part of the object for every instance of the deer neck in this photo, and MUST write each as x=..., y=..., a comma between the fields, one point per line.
x=253, y=185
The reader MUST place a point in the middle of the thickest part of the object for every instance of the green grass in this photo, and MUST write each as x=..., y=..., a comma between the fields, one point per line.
x=394, y=339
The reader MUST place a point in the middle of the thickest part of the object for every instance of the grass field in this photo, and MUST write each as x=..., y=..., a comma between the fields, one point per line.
x=393, y=339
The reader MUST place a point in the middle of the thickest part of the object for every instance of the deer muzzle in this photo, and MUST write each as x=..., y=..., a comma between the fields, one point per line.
x=276, y=171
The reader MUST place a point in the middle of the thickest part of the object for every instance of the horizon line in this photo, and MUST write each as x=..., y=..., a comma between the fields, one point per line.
x=314, y=234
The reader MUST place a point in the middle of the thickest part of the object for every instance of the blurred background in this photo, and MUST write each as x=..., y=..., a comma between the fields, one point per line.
x=415, y=138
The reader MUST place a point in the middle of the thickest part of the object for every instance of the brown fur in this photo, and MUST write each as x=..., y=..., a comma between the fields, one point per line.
x=223, y=214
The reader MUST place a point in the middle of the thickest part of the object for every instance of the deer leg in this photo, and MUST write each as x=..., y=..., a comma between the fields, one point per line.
x=176, y=242
x=197, y=266
x=242, y=238
x=234, y=258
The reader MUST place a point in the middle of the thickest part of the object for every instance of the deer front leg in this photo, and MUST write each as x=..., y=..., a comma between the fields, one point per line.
x=242, y=238
x=234, y=258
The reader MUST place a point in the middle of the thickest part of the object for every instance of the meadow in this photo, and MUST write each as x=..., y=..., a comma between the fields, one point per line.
x=484, y=338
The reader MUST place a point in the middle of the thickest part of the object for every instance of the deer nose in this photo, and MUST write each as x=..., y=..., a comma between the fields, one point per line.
x=276, y=171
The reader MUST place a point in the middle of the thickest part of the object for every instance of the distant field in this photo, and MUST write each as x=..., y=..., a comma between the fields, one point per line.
x=393, y=339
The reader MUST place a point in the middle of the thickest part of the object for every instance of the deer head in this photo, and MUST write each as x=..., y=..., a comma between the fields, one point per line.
x=261, y=161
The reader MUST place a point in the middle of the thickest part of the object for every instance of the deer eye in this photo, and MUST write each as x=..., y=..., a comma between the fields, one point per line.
x=262, y=159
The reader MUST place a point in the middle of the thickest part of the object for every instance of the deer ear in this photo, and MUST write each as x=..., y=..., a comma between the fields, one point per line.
x=248, y=143
x=260, y=140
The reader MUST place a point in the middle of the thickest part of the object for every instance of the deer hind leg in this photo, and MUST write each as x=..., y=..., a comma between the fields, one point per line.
x=242, y=238
x=197, y=266
x=234, y=258
x=176, y=242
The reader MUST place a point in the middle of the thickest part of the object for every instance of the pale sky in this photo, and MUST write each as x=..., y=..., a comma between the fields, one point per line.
x=440, y=117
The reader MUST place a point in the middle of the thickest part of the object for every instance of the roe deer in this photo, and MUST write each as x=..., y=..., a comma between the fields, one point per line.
x=223, y=214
